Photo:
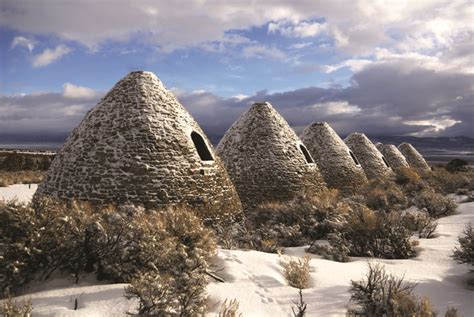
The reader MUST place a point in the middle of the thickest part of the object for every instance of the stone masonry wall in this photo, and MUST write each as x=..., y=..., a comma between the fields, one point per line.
x=369, y=157
x=333, y=158
x=263, y=157
x=395, y=158
x=134, y=146
x=414, y=158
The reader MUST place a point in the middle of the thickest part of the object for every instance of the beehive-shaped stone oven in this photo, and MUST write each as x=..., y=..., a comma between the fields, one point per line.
x=414, y=158
x=394, y=157
x=372, y=161
x=337, y=163
x=140, y=145
x=265, y=158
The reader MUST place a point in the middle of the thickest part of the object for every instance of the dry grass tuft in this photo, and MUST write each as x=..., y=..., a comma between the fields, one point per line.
x=296, y=272
x=229, y=309
x=20, y=177
x=11, y=308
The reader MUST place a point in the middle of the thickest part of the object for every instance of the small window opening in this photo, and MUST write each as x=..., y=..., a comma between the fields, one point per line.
x=306, y=154
x=201, y=147
x=385, y=161
x=354, y=158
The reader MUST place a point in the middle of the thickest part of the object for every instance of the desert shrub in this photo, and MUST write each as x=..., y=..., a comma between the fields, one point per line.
x=39, y=242
x=411, y=183
x=337, y=250
x=406, y=175
x=382, y=294
x=446, y=182
x=451, y=312
x=293, y=223
x=377, y=234
x=245, y=235
x=465, y=252
x=162, y=294
x=384, y=194
x=15, y=161
x=138, y=241
x=20, y=177
x=229, y=309
x=456, y=165
x=435, y=204
x=296, y=272
x=119, y=244
x=424, y=308
x=220, y=219
x=420, y=223
x=154, y=294
x=44, y=163
x=15, y=308
x=373, y=234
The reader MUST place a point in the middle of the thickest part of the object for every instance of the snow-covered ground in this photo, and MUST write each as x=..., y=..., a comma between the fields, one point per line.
x=21, y=192
x=255, y=279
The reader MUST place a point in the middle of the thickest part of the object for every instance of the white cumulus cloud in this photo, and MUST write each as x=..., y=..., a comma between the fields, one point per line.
x=299, y=29
x=50, y=55
x=73, y=91
x=21, y=41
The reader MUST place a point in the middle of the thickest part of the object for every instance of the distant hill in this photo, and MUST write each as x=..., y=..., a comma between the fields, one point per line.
x=435, y=150
x=459, y=143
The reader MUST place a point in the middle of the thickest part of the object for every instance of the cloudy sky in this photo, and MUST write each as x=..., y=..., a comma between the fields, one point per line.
x=379, y=67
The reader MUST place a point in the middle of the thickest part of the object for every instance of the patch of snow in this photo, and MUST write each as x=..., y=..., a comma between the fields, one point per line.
x=460, y=199
x=92, y=300
x=256, y=280
x=21, y=192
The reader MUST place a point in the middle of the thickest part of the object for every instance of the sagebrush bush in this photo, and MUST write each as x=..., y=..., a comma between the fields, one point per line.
x=294, y=223
x=296, y=272
x=119, y=244
x=446, y=182
x=337, y=250
x=384, y=194
x=451, y=312
x=154, y=294
x=457, y=165
x=421, y=223
x=406, y=175
x=15, y=308
x=412, y=184
x=174, y=250
x=382, y=294
x=465, y=252
x=435, y=204
x=37, y=242
x=163, y=294
x=20, y=177
x=15, y=161
x=377, y=234
x=370, y=233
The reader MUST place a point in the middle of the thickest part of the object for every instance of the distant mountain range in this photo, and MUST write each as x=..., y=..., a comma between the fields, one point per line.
x=435, y=150
x=459, y=143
